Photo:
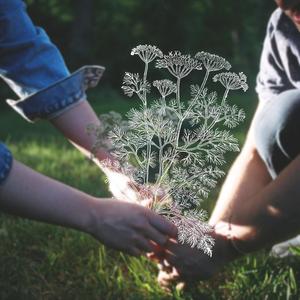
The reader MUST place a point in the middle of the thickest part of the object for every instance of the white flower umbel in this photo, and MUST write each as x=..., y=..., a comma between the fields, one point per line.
x=165, y=87
x=232, y=81
x=211, y=63
x=147, y=53
x=171, y=150
x=179, y=66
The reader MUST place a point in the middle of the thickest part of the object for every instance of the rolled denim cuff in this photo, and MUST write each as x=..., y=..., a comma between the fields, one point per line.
x=58, y=97
x=5, y=162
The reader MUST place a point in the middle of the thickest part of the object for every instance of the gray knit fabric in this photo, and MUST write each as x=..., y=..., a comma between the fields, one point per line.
x=280, y=59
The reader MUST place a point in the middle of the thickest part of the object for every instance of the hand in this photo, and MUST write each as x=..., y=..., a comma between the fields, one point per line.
x=180, y=262
x=121, y=187
x=129, y=227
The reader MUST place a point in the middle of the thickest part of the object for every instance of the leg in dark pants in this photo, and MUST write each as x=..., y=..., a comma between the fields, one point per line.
x=277, y=131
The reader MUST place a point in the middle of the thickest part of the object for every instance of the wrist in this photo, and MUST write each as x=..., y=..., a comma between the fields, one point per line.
x=240, y=240
x=92, y=214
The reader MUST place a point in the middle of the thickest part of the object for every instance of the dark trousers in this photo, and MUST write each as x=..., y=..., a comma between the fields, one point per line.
x=277, y=131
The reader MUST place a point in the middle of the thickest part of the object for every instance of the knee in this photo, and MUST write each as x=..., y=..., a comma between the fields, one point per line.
x=276, y=131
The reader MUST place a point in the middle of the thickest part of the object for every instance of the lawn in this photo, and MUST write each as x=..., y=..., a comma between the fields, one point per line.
x=40, y=261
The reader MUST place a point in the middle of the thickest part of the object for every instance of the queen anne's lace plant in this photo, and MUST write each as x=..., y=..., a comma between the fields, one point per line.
x=173, y=149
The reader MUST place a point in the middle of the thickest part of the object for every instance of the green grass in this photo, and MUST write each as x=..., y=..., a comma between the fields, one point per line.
x=39, y=261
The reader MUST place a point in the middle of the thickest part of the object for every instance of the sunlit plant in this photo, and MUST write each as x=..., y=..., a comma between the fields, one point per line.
x=173, y=149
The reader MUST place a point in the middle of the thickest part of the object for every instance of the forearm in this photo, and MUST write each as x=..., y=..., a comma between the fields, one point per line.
x=32, y=195
x=247, y=177
x=119, y=225
x=276, y=215
x=73, y=125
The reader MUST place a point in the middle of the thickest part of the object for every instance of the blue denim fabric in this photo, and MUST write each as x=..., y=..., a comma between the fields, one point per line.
x=56, y=98
x=276, y=131
x=35, y=70
x=5, y=162
x=28, y=60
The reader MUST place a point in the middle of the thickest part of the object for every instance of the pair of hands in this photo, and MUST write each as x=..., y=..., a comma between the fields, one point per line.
x=181, y=263
x=138, y=230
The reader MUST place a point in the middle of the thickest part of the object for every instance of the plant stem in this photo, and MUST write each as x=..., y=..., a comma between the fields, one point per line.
x=144, y=81
x=204, y=81
x=178, y=95
x=133, y=151
x=178, y=129
x=190, y=107
x=160, y=154
x=166, y=170
x=148, y=150
x=225, y=96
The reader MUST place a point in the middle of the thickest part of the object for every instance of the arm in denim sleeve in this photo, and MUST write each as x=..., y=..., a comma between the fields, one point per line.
x=34, y=68
x=5, y=162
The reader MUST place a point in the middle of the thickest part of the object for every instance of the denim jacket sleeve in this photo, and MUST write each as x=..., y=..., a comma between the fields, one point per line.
x=5, y=162
x=34, y=68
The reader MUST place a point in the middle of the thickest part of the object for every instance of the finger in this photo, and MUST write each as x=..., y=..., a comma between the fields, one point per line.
x=172, y=245
x=157, y=258
x=144, y=245
x=157, y=251
x=170, y=257
x=162, y=224
x=151, y=256
x=154, y=257
x=154, y=235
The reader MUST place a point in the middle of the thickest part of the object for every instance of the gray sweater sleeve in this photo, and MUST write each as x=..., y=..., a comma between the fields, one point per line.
x=272, y=78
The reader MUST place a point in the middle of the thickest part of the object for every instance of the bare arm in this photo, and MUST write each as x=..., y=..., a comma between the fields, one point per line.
x=73, y=125
x=275, y=215
x=269, y=216
x=119, y=225
x=247, y=177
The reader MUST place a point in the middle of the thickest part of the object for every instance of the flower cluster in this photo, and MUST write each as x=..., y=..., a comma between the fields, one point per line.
x=232, y=81
x=147, y=53
x=212, y=62
x=178, y=65
x=165, y=87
